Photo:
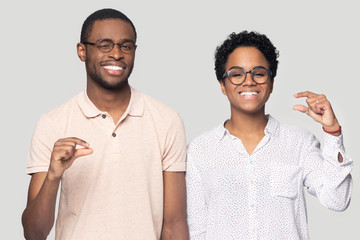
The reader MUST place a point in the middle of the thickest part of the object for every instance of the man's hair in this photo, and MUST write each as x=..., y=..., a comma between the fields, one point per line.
x=245, y=39
x=102, y=14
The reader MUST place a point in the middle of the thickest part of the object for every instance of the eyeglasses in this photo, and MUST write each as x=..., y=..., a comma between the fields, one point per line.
x=106, y=45
x=237, y=76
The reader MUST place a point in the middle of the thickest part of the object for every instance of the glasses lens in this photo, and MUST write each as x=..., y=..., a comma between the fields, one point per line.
x=236, y=76
x=128, y=47
x=260, y=75
x=105, y=45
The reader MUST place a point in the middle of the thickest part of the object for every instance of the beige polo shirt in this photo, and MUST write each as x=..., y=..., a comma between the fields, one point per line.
x=116, y=192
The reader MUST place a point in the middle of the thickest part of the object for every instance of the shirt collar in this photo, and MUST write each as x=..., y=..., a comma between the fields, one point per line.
x=271, y=125
x=136, y=104
x=135, y=108
x=270, y=128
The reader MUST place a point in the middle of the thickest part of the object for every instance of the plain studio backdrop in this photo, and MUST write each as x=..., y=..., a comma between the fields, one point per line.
x=319, y=51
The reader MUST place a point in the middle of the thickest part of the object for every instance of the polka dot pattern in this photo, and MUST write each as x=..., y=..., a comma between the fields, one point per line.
x=234, y=195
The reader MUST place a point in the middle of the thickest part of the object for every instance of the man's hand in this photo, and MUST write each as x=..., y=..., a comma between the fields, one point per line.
x=38, y=217
x=64, y=154
x=319, y=109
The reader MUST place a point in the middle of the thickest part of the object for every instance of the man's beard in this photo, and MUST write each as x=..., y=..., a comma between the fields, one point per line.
x=105, y=84
x=108, y=86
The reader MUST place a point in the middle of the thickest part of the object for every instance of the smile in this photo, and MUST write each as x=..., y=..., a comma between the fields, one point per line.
x=114, y=68
x=248, y=93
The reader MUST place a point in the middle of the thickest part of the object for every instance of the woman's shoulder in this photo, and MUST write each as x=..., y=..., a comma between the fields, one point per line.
x=209, y=137
x=293, y=132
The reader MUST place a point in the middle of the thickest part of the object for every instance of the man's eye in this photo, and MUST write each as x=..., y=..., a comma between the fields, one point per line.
x=126, y=46
x=105, y=45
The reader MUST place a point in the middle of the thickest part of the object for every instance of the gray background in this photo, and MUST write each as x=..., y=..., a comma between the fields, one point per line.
x=319, y=51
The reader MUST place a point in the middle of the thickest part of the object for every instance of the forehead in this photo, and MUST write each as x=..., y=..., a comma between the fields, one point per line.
x=247, y=57
x=114, y=29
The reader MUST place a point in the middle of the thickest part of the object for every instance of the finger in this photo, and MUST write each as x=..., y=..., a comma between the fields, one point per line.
x=300, y=108
x=304, y=94
x=320, y=98
x=82, y=152
x=74, y=140
x=67, y=153
x=318, y=105
x=311, y=102
x=319, y=108
x=64, y=153
x=316, y=116
x=60, y=144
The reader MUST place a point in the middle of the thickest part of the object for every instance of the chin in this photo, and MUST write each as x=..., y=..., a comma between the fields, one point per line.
x=249, y=110
x=112, y=85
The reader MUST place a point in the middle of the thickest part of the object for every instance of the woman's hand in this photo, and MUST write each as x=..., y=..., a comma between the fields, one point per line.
x=319, y=109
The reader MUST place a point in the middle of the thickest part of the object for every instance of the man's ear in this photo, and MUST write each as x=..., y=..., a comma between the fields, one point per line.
x=81, y=51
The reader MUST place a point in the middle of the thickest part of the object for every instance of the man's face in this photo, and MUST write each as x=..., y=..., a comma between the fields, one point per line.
x=109, y=70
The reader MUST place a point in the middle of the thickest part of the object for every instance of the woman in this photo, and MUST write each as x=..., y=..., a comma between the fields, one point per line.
x=246, y=177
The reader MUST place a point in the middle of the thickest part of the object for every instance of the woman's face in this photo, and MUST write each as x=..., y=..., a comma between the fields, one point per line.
x=249, y=97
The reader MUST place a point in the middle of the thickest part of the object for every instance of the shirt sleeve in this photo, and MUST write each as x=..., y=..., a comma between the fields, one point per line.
x=174, y=159
x=41, y=146
x=196, y=201
x=324, y=176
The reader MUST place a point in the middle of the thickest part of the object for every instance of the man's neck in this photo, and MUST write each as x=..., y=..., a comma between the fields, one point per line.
x=113, y=102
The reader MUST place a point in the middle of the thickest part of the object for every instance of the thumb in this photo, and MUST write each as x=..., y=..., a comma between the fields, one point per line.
x=82, y=152
x=300, y=108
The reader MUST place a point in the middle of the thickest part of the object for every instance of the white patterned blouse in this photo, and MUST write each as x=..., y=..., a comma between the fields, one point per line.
x=234, y=195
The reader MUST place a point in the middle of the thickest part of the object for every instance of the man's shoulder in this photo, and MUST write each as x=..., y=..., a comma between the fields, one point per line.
x=156, y=107
x=64, y=109
x=61, y=112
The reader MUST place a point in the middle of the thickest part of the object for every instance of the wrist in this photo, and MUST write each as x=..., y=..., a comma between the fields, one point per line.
x=333, y=130
x=51, y=177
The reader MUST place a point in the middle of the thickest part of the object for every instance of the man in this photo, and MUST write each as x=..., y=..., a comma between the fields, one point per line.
x=119, y=154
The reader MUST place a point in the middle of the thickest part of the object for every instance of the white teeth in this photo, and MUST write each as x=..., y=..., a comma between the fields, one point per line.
x=113, y=67
x=248, y=93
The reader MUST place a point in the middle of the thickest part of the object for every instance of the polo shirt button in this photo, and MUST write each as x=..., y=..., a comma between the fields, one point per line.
x=113, y=134
x=103, y=116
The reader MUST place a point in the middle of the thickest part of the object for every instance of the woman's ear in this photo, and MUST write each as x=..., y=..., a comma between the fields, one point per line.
x=271, y=85
x=223, y=88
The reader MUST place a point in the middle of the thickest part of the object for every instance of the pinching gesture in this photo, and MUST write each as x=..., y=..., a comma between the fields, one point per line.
x=319, y=109
x=64, y=154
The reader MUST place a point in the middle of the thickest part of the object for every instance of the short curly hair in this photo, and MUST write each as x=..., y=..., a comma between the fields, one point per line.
x=245, y=39
x=102, y=14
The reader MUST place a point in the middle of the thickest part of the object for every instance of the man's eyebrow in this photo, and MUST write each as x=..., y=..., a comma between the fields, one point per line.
x=127, y=40
x=122, y=41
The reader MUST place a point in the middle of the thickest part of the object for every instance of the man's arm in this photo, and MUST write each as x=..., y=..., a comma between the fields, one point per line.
x=175, y=222
x=39, y=214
